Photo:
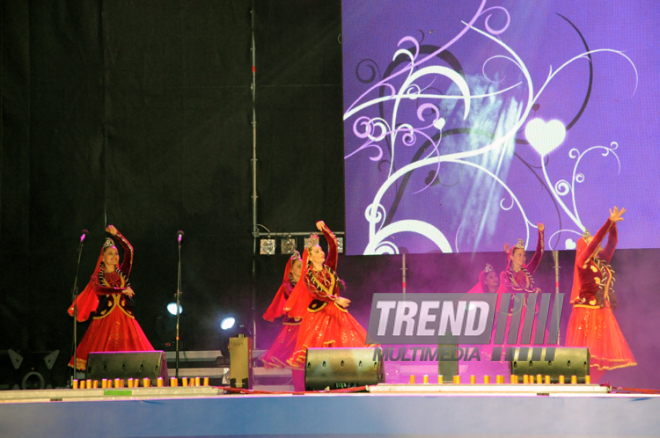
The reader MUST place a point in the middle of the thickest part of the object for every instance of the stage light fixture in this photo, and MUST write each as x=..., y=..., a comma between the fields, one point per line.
x=172, y=309
x=227, y=323
x=340, y=245
x=267, y=246
x=288, y=245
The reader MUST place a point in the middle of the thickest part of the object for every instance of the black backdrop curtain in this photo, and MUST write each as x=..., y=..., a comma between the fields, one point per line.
x=138, y=114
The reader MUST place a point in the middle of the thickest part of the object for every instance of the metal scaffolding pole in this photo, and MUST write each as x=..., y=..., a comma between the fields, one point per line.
x=255, y=225
x=255, y=230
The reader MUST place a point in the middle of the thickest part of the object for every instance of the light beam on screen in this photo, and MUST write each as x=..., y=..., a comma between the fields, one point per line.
x=482, y=202
x=373, y=212
x=472, y=104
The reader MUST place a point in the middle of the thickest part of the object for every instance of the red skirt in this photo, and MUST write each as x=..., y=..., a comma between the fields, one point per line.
x=115, y=332
x=597, y=329
x=282, y=348
x=331, y=326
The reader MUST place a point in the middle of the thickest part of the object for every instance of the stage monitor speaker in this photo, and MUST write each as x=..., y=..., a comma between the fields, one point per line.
x=126, y=364
x=240, y=362
x=563, y=361
x=343, y=367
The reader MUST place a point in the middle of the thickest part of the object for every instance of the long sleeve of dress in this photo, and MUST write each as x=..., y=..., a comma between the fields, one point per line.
x=331, y=259
x=585, y=255
x=127, y=263
x=538, y=254
x=276, y=308
x=612, y=241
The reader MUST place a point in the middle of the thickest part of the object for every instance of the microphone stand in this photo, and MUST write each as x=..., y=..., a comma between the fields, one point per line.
x=74, y=293
x=178, y=307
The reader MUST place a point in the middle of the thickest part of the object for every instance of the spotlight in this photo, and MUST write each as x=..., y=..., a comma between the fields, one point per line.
x=227, y=323
x=288, y=245
x=340, y=245
x=267, y=246
x=172, y=309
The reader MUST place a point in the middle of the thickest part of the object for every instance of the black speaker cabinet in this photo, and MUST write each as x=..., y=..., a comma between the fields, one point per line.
x=343, y=367
x=551, y=361
x=122, y=365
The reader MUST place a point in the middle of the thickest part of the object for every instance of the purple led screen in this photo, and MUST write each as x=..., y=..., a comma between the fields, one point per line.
x=467, y=123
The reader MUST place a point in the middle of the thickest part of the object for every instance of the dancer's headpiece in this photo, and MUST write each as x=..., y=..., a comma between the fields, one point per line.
x=312, y=241
x=488, y=268
x=586, y=233
x=295, y=256
x=109, y=243
x=520, y=244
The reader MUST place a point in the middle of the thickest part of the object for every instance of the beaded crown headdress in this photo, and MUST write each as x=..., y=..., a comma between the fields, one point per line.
x=109, y=243
x=520, y=245
x=295, y=256
x=586, y=233
x=312, y=241
x=488, y=268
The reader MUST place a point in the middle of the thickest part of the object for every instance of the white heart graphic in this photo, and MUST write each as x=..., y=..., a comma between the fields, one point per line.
x=439, y=124
x=570, y=244
x=545, y=137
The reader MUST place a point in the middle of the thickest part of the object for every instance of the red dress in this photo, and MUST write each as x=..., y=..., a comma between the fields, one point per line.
x=324, y=322
x=486, y=350
x=592, y=323
x=518, y=283
x=114, y=327
x=285, y=343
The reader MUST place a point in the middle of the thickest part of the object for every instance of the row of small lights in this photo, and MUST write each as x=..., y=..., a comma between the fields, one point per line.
x=288, y=245
x=515, y=379
x=135, y=383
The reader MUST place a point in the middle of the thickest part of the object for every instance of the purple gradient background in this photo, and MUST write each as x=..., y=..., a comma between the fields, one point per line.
x=372, y=29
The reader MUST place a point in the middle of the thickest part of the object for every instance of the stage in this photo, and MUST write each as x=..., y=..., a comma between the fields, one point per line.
x=209, y=412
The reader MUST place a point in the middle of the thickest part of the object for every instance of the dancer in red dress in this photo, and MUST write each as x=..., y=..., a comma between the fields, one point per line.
x=592, y=322
x=518, y=276
x=285, y=343
x=489, y=282
x=325, y=320
x=109, y=296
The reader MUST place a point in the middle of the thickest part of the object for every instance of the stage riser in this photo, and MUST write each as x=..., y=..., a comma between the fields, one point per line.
x=392, y=416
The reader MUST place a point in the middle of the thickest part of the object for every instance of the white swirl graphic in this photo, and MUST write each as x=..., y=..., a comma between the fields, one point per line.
x=394, y=131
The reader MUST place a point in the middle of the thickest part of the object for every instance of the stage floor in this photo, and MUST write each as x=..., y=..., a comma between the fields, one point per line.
x=207, y=412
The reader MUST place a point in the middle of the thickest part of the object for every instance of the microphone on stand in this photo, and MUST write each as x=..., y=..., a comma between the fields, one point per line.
x=179, y=235
x=74, y=296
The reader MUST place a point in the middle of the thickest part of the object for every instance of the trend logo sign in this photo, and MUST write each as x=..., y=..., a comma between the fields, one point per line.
x=470, y=319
